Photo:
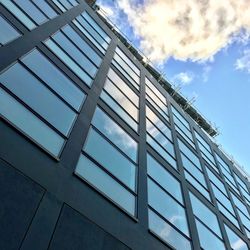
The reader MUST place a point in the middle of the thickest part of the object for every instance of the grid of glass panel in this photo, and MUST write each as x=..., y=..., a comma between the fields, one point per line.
x=64, y=5
x=95, y=34
x=109, y=161
x=243, y=213
x=182, y=126
x=30, y=13
x=167, y=216
x=40, y=100
x=236, y=242
x=127, y=68
x=206, y=151
x=193, y=170
x=207, y=225
x=122, y=99
x=225, y=169
x=71, y=49
x=8, y=32
x=224, y=203
x=159, y=137
x=244, y=189
x=156, y=99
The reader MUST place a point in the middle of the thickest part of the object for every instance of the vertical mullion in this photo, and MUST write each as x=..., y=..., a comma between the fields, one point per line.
x=142, y=167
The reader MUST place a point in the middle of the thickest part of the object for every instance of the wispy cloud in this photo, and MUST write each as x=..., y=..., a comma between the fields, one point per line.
x=205, y=72
x=243, y=63
x=192, y=29
x=183, y=78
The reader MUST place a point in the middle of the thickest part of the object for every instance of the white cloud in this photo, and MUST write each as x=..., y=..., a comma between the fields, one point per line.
x=183, y=78
x=192, y=29
x=243, y=63
x=205, y=72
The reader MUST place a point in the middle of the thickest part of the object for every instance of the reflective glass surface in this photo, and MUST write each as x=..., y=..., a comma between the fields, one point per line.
x=167, y=207
x=164, y=178
x=54, y=78
x=8, y=32
x=167, y=233
x=110, y=158
x=89, y=171
x=37, y=96
x=202, y=212
x=208, y=240
x=115, y=134
x=29, y=124
x=236, y=242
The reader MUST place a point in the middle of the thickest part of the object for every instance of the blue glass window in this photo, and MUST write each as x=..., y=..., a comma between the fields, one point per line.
x=8, y=33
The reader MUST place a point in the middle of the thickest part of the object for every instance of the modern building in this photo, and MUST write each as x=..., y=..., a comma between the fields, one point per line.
x=96, y=152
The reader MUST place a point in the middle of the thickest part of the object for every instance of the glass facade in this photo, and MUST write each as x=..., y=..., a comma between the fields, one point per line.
x=95, y=111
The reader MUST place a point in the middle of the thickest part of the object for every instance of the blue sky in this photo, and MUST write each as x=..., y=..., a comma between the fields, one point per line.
x=204, y=49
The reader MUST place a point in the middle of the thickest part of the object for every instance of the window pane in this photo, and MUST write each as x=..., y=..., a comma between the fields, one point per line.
x=190, y=167
x=30, y=9
x=167, y=232
x=75, y=53
x=160, y=138
x=82, y=45
x=92, y=32
x=161, y=151
x=240, y=204
x=87, y=170
x=236, y=242
x=54, y=78
x=197, y=185
x=121, y=99
x=158, y=123
x=96, y=27
x=208, y=240
x=205, y=215
x=68, y=61
x=164, y=178
x=124, y=115
x=29, y=124
x=8, y=33
x=110, y=158
x=19, y=14
x=167, y=207
x=216, y=181
x=115, y=133
x=45, y=8
x=31, y=91
x=123, y=87
x=189, y=154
